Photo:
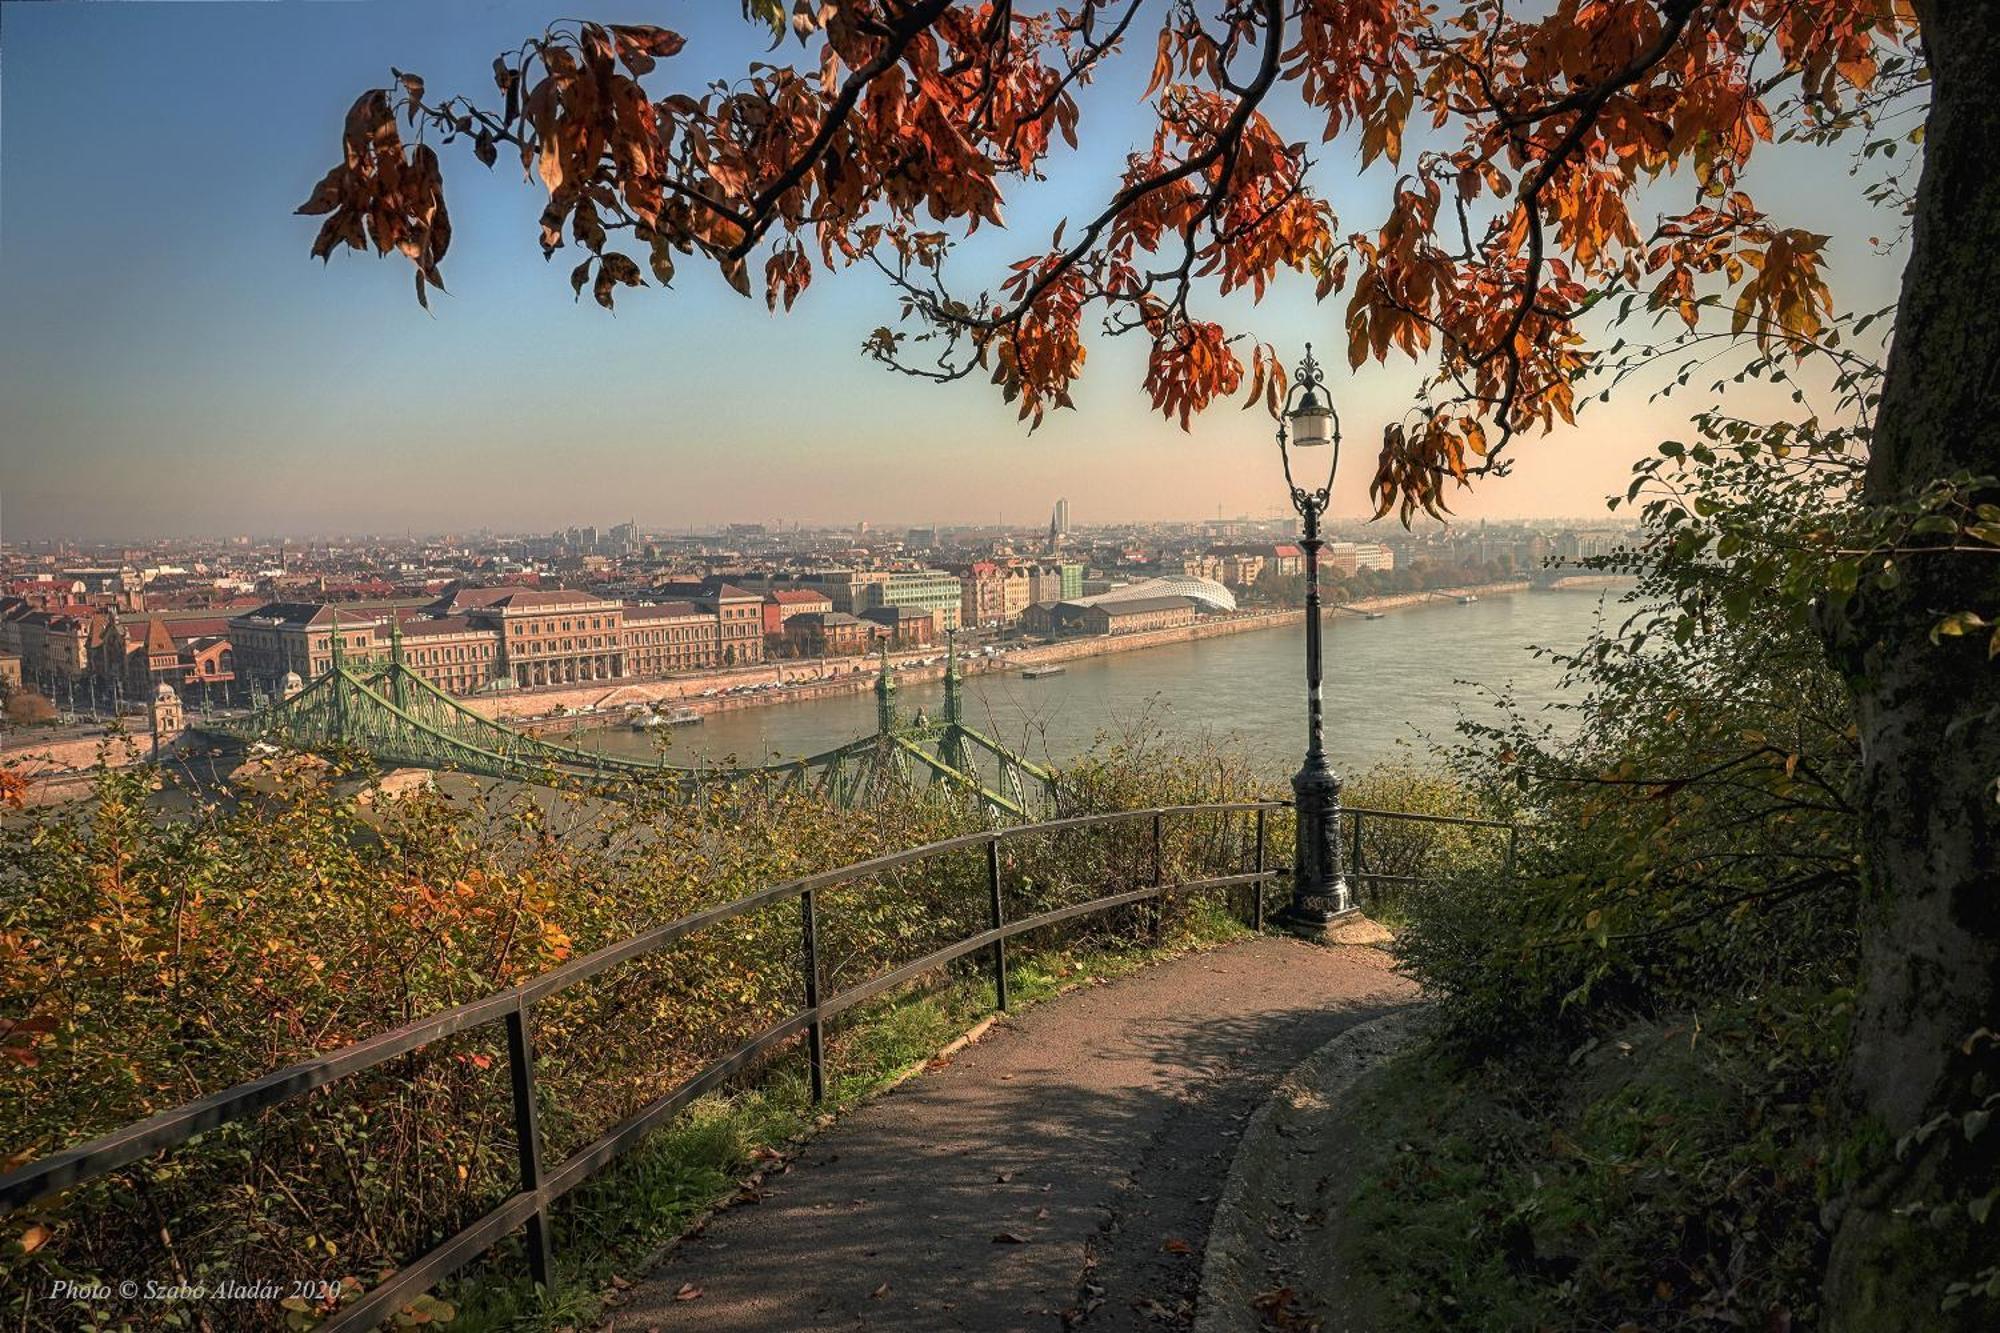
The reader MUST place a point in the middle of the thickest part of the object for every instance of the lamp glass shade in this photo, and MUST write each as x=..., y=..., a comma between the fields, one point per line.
x=1312, y=422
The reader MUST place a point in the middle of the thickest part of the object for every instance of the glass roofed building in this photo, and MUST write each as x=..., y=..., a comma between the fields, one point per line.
x=1207, y=594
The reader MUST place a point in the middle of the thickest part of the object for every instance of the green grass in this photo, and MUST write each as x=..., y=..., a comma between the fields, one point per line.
x=1667, y=1177
x=609, y=1229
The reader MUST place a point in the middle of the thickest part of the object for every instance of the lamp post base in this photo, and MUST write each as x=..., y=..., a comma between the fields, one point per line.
x=1319, y=882
x=1353, y=927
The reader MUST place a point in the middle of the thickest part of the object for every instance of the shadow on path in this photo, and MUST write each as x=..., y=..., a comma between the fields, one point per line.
x=1060, y=1173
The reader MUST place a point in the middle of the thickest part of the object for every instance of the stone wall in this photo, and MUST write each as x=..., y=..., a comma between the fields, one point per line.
x=59, y=768
x=812, y=680
x=855, y=675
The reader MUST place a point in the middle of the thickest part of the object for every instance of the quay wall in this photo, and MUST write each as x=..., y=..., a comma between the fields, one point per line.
x=529, y=710
x=60, y=768
x=844, y=676
x=60, y=764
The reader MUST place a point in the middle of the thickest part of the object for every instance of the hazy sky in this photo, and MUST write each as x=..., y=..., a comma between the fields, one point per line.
x=172, y=362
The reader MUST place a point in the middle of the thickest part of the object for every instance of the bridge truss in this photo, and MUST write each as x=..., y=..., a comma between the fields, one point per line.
x=398, y=719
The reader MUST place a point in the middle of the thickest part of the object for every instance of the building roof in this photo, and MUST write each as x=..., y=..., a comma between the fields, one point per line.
x=439, y=626
x=1203, y=592
x=462, y=597
x=884, y=614
x=666, y=611
x=183, y=628
x=1144, y=605
x=824, y=620
x=797, y=596
x=296, y=615
x=711, y=588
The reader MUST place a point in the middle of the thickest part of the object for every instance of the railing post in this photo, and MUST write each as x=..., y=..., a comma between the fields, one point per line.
x=1257, y=901
x=528, y=1140
x=1159, y=871
x=1354, y=854
x=815, y=1030
x=1513, y=839
x=999, y=920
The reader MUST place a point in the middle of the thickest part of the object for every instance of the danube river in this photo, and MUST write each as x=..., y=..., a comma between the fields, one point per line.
x=1390, y=684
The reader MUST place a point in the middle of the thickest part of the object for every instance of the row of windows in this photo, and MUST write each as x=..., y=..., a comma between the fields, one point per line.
x=562, y=645
x=460, y=653
x=565, y=626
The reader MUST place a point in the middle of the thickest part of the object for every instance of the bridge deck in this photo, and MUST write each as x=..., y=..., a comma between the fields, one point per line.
x=1097, y=1128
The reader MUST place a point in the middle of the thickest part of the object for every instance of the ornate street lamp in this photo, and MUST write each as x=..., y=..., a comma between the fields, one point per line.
x=1319, y=886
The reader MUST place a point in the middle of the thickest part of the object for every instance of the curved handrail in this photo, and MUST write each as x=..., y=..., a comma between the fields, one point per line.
x=105, y=1154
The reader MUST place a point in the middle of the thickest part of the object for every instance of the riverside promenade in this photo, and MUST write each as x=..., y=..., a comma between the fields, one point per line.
x=807, y=679
x=1061, y=1172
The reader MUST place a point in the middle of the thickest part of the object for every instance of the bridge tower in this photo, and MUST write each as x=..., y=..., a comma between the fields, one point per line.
x=885, y=695
x=951, y=704
x=337, y=680
x=952, y=748
x=396, y=659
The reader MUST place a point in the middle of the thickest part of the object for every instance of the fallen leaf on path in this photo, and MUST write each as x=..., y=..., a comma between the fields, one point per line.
x=688, y=1292
x=1009, y=1238
x=879, y=1292
x=620, y=1282
x=1280, y=1310
x=1175, y=1245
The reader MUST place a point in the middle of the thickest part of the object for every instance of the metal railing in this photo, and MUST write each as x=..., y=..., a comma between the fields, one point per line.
x=1357, y=869
x=541, y=1183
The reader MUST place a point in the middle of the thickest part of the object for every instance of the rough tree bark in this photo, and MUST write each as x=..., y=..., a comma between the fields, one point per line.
x=1930, y=731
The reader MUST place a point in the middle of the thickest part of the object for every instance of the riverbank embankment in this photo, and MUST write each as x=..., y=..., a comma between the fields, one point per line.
x=804, y=681
x=59, y=757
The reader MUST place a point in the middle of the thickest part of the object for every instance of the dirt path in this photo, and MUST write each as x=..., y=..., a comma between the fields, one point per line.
x=1060, y=1173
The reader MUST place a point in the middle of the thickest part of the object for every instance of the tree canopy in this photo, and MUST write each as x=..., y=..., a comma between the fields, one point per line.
x=1525, y=146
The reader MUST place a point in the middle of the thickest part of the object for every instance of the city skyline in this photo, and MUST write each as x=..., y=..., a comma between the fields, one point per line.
x=890, y=528
x=183, y=368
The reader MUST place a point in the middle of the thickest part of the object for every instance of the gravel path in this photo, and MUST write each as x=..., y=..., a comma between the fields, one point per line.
x=1061, y=1172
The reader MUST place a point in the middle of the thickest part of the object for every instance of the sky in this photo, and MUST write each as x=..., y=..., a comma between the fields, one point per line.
x=172, y=363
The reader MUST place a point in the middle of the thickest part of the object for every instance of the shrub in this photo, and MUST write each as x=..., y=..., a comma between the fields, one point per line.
x=149, y=960
x=25, y=708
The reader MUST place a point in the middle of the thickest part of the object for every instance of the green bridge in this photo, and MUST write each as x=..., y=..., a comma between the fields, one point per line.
x=397, y=718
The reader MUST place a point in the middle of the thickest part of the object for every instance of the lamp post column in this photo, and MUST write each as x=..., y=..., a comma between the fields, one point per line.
x=1319, y=884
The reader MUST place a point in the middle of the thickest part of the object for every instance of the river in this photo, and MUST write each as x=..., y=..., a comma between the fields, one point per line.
x=1390, y=683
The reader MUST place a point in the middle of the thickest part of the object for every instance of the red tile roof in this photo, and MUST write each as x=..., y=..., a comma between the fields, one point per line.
x=438, y=627
x=666, y=611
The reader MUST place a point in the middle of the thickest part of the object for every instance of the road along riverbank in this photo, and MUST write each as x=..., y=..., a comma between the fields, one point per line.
x=799, y=680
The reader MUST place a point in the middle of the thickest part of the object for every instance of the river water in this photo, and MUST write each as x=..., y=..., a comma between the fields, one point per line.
x=1391, y=683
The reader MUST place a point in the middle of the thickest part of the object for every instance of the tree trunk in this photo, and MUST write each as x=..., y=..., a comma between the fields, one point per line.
x=1929, y=719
